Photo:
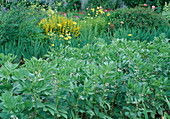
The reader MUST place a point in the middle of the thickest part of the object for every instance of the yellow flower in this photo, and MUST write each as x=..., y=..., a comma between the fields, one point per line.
x=74, y=23
x=52, y=44
x=65, y=38
x=122, y=22
x=95, y=15
x=88, y=14
x=61, y=36
x=58, y=24
x=129, y=34
x=98, y=8
x=92, y=9
x=109, y=23
x=108, y=14
x=103, y=12
x=69, y=37
x=87, y=44
x=43, y=10
x=78, y=44
x=33, y=6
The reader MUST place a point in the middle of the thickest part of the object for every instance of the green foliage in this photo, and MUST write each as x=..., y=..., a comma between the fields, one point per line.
x=20, y=33
x=94, y=23
x=73, y=5
x=25, y=3
x=134, y=3
x=14, y=107
x=137, y=18
x=5, y=58
x=101, y=76
x=166, y=11
x=126, y=79
x=140, y=34
x=104, y=3
x=142, y=23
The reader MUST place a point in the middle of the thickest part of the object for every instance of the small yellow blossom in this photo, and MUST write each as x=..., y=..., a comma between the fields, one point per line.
x=74, y=23
x=43, y=10
x=33, y=6
x=122, y=22
x=58, y=24
x=109, y=23
x=61, y=36
x=98, y=8
x=88, y=14
x=69, y=37
x=95, y=15
x=92, y=9
x=108, y=14
x=78, y=44
x=129, y=34
x=87, y=44
x=65, y=38
x=52, y=44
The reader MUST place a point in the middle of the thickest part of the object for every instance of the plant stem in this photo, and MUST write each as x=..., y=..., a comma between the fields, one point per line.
x=104, y=90
x=34, y=107
x=103, y=96
x=83, y=109
x=57, y=96
x=77, y=105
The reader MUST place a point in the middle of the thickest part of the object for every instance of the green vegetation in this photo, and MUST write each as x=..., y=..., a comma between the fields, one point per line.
x=93, y=64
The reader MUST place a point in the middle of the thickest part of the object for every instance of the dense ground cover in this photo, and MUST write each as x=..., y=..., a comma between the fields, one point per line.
x=126, y=79
x=97, y=63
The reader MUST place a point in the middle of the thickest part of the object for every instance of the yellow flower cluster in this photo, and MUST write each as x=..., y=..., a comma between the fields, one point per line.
x=98, y=11
x=101, y=11
x=62, y=26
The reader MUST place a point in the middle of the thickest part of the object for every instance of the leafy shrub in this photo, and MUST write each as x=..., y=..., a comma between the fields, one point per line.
x=134, y=3
x=73, y=5
x=20, y=33
x=140, y=34
x=25, y=3
x=126, y=79
x=97, y=23
x=137, y=18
